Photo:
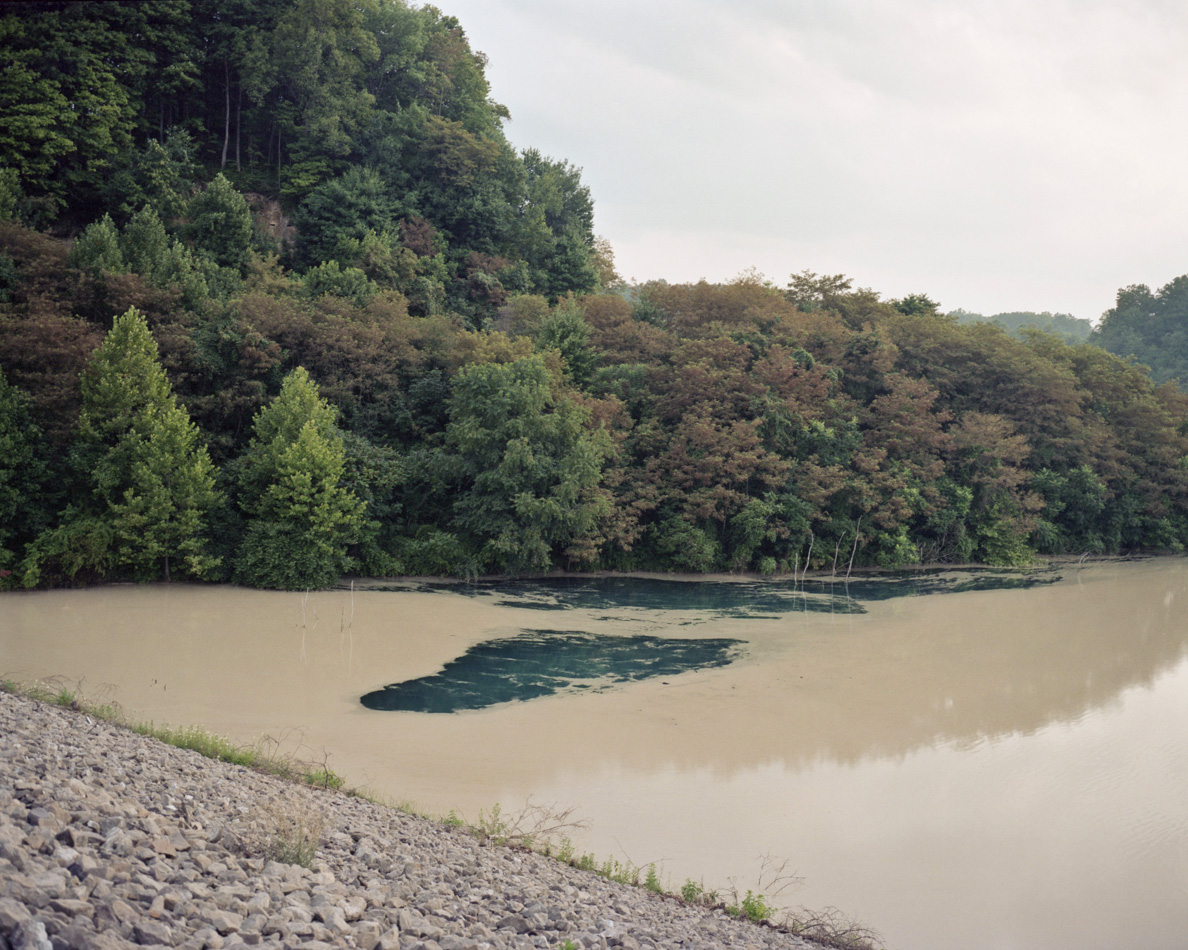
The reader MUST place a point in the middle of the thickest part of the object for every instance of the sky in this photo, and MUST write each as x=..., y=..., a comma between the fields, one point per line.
x=996, y=155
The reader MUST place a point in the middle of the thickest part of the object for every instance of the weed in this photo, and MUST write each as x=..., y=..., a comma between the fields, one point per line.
x=691, y=891
x=291, y=832
x=651, y=881
x=54, y=691
x=197, y=739
x=494, y=828
x=621, y=872
x=587, y=862
x=266, y=756
x=831, y=928
x=533, y=826
x=565, y=851
x=752, y=906
x=452, y=820
x=325, y=778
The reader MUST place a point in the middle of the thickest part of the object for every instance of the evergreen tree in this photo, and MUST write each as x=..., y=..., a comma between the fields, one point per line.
x=151, y=484
x=97, y=249
x=301, y=518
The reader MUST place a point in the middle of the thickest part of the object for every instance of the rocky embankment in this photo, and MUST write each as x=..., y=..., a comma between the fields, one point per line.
x=109, y=840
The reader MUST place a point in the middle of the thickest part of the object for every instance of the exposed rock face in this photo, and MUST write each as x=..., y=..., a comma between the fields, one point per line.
x=110, y=840
x=269, y=216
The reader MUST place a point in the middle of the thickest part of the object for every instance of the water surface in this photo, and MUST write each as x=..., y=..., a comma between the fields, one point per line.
x=975, y=768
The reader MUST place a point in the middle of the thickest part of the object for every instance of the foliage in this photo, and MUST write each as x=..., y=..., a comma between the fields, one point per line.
x=751, y=906
x=219, y=224
x=1018, y=323
x=1150, y=327
x=526, y=464
x=323, y=191
x=23, y=473
x=359, y=117
x=301, y=519
x=150, y=484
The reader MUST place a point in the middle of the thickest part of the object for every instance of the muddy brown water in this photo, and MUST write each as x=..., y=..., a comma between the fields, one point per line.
x=993, y=769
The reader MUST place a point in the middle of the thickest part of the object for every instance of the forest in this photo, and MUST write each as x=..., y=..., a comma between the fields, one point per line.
x=279, y=302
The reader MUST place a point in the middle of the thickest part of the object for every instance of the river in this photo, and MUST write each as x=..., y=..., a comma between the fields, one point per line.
x=954, y=767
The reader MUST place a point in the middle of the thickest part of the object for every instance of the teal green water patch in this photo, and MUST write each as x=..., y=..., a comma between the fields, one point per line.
x=541, y=662
x=740, y=600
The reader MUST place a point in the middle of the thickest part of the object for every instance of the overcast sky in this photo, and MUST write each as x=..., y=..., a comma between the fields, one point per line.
x=996, y=155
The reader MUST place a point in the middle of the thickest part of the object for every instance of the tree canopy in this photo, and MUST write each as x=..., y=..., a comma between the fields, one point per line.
x=278, y=300
x=369, y=124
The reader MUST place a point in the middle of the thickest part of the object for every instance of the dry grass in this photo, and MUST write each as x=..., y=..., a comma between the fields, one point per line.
x=288, y=831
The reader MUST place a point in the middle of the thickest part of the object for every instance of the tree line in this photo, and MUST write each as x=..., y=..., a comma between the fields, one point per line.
x=280, y=439
x=278, y=302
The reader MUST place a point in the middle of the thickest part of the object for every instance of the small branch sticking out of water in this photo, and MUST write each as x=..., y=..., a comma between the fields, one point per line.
x=855, y=548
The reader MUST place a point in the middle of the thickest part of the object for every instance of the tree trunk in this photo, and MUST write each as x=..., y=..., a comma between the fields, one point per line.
x=226, y=109
x=238, y=124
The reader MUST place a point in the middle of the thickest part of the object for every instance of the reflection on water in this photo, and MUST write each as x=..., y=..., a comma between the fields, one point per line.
x=542, y=662
x=736, y=599
x=992, y=768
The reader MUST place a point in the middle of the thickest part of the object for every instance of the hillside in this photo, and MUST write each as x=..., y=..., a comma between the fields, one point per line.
x=288, y=305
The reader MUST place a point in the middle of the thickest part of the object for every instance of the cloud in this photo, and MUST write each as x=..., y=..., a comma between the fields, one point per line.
x=1026, y=155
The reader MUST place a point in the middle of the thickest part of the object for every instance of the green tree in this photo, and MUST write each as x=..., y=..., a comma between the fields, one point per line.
x=97, y=249
x=337, y=215
x=151, y=483
x=1151, y=327
x=555, y=227
x=526, y=463
x=160, y=175
x=321, y=52
x=565, y=330
x=22, y=472
x=301, y=518
x=220, y=224
x=68, y=104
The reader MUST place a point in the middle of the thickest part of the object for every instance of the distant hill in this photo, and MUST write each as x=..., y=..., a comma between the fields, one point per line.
x=1064, y=325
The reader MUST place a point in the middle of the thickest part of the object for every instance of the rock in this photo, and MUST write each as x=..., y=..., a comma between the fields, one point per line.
x=222, y=921
x=30, y=936
x=514, y=923
x=354, y=906
x=12, y=914
x=388, y=941
x=118, y=839
x=149, y=932
x=71, y=908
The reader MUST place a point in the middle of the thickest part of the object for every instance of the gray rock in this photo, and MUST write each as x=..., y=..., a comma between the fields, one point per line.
x=117, y=839
x=514, y=923
x=149, y=932
x=12, y=914
x=222, y=921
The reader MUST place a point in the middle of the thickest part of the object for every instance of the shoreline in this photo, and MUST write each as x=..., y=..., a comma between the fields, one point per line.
x=110, y=839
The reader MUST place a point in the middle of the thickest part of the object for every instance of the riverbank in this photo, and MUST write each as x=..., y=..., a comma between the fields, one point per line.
x=109, y=839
